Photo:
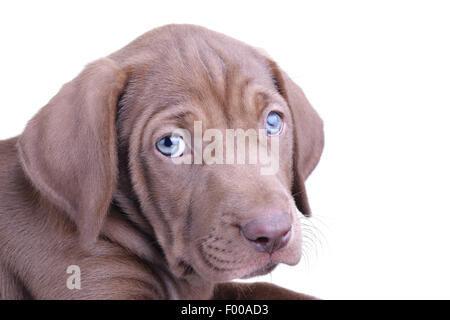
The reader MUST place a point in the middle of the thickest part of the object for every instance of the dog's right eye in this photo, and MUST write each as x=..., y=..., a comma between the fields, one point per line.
x=171, y=146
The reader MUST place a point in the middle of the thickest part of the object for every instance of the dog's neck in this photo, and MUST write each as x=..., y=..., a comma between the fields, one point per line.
x=123, y=227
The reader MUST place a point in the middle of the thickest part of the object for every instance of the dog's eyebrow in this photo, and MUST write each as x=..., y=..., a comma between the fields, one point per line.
x=178, y=117
x=170, y=111
x=261, y=100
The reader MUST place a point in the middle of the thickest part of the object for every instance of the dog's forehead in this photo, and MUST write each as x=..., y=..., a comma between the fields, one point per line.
x=192, y=49
x=225, y=90
x=225, y=79
x=193, y=58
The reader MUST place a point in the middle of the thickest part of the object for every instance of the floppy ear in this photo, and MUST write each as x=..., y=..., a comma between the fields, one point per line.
x=309, y=136
x=68, y=150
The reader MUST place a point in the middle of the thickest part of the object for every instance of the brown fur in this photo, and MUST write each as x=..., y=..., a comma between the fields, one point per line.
x=84, y=184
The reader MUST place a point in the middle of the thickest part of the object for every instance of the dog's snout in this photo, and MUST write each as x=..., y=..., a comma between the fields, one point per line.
x=268, y=233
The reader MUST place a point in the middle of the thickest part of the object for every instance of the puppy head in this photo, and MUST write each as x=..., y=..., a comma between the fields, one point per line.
x=213, y=219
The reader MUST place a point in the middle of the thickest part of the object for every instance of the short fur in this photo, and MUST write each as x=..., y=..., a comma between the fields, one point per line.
x=84, y=184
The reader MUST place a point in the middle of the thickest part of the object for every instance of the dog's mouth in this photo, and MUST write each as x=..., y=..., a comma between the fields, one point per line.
x=226, y=256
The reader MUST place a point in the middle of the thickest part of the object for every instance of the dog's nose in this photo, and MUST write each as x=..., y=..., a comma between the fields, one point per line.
x=268, y=234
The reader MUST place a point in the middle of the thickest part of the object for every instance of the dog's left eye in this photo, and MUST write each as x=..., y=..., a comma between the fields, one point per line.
x=274, y=123
x=171, y=146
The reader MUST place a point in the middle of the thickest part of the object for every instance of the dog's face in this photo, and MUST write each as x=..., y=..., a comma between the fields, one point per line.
x=219, y=220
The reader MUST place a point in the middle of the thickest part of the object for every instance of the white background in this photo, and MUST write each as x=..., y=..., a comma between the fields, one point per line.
x=378, y=72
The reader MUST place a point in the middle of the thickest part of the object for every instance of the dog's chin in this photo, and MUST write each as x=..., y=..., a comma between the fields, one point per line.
x=262, y=265
x=268, y=268
x=240, y=274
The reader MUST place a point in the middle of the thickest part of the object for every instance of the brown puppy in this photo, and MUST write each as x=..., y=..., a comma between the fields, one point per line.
x=89, y=184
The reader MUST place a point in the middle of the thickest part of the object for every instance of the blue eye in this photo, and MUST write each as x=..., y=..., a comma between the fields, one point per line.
x=171, y=146
x=274, y=124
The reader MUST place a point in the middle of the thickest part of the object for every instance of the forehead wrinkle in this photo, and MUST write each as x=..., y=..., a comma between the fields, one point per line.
x=221, y=75
x=180, y=118
x=228, y=95
x=214, y=56
x=224, y=78
x=205, y=67
x=215, y=78
x=202, y=71
x=200, y=60
x=246, y=101
x=245, y=87
x=261, y=101
x=232, y=95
